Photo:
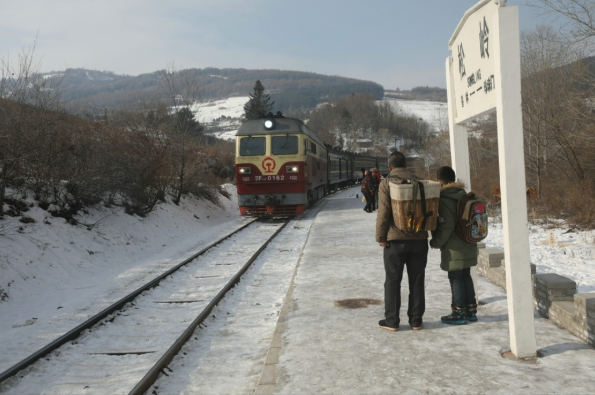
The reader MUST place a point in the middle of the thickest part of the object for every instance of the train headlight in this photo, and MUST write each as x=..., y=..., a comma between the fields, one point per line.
x=292, y=169
x=269, y=124
x=245, y=170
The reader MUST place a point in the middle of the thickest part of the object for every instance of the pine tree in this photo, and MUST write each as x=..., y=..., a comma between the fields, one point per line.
x=186, y=122
x=258, y=105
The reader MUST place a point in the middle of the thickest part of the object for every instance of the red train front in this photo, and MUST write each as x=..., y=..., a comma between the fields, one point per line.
x=281, y=167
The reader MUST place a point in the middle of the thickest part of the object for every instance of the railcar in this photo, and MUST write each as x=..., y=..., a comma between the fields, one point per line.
x=281, y=167
x=340, y=169
x=362, y=163
x=383, y=166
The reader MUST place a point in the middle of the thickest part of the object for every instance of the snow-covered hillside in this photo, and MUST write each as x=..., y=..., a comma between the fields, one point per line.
x=429, y=111
x=223, y=116
x=232, y=107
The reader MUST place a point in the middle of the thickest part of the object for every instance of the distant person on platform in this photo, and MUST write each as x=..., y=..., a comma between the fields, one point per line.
x=367, y=189
x=400, y=250
x=456, y=256
x=377, y=178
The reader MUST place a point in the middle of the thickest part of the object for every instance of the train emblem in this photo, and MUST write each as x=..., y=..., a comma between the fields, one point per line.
x=269, y=164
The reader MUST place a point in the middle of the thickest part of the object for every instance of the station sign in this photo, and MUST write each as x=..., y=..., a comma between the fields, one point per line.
x=473, y=52
x=484, y=74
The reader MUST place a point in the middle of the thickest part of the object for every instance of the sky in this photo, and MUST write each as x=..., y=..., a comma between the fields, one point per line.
x=395, y=43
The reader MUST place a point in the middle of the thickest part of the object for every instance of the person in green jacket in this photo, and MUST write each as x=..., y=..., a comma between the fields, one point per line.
x=456, y=256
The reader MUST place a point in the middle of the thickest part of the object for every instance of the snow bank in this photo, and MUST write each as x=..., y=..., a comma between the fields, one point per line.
x=57, y=275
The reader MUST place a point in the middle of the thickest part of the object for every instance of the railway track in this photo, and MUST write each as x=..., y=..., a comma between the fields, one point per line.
x=124, y=348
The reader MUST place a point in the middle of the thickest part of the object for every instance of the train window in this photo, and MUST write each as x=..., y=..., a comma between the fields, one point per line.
x=252, y=146
x=284, y=145
x=313, y=147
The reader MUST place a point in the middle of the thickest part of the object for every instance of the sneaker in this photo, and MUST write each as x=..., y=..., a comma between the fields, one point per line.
x=416, y=328
x=384, y=325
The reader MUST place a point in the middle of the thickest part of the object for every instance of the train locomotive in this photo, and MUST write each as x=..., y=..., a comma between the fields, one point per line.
x=282, y=167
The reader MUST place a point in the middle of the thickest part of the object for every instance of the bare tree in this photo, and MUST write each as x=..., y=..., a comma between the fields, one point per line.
x=25, y=97
x=553, y=92
x=183, y=90
x=558, y=116
x=22, y=82
x=138, y=157
x=436, y=152
x=440, y=119
x=578, y=17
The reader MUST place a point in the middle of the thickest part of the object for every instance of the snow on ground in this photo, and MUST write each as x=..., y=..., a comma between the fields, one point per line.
x=572, y=254
x=60, y=274
x=331, y=350
x=231, y=107
x=57, y=275
x=228, y=353
x=210, y=113
x=231, y=128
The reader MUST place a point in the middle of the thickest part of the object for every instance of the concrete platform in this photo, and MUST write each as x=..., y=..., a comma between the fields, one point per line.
x=322, y=348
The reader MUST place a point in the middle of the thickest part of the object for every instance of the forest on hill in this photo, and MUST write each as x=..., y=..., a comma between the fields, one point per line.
x=91, y=89
x=419, y=93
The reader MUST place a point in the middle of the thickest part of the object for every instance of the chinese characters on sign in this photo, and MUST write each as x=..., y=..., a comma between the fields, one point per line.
x=461, y=61
x=483, y=38
x=488, y=84
x=473, y=78
x=473, y=84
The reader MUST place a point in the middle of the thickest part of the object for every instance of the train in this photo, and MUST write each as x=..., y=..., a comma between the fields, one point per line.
x=282, y=167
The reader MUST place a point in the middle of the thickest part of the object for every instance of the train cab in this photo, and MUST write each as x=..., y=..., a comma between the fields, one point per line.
x=280, y=167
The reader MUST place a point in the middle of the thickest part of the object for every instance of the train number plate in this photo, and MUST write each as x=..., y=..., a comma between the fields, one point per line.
x=269, y=178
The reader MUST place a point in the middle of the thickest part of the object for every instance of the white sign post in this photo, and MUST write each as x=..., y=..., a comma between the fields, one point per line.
x=483, y=75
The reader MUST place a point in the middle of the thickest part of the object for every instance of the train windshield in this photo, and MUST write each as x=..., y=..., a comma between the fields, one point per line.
x=252, y=146
x=284, y=145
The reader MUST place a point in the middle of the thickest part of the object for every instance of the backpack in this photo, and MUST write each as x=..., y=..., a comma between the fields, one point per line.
x=472, y=219
x=367, y=184
x=414, y=204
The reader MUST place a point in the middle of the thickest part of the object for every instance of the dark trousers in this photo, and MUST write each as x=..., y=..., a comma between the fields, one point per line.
x=414, y=255
x=368, y=197
x=374, y=200
x=461, y=285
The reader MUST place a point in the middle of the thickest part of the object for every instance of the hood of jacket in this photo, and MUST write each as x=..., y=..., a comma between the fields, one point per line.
x=453, y=191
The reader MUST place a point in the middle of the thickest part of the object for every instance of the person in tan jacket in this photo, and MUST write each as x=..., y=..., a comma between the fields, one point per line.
x=400, y=250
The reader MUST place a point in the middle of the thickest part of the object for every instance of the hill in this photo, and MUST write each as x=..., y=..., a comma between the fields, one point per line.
x=93, y=89
x=424, y=93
